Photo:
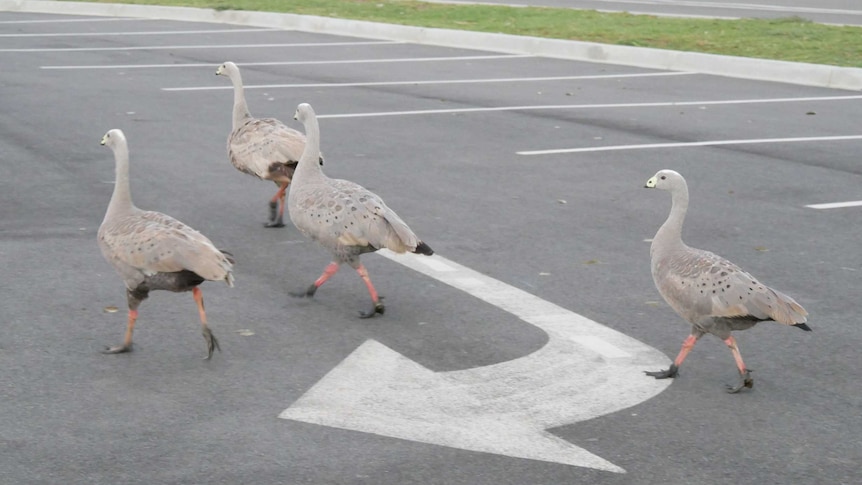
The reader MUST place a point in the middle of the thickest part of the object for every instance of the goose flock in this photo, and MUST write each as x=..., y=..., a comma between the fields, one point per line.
x=153, y=251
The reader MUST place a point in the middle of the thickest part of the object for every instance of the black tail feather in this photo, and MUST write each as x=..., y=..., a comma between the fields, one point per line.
x=803, y=327
x=423, y=248
x=229, y=256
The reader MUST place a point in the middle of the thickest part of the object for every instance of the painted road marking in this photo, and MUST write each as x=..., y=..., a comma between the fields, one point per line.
x=301, y=63
x=62, y=21
x=690, y=144
x=585, y=370
x=836, y=205
x=539, y=107
x=417, y=83
x=205, y=46
x=165, y=32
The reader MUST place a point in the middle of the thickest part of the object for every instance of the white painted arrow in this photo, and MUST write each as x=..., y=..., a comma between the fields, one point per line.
x=585, y=370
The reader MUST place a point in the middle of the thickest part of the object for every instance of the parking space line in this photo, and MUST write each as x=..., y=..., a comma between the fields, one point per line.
x=164, y=32
x=64, y=21
x=539, y=107
x=417, y=83
x=836, y=205
x=690, y=144
x=302, y=63
x=204, y=46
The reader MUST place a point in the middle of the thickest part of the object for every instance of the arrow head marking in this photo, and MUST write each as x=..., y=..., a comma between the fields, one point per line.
x=377, y=390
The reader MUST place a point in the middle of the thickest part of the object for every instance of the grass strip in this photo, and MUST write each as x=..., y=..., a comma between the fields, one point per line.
x=788, y=39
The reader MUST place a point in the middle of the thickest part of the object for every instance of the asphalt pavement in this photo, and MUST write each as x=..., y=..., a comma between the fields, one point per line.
x=525, y=175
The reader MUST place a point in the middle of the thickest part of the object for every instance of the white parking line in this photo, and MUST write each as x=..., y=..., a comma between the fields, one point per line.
x=590, y=106
x=416, y=83
x=205, y=46
x=836, y=205
x=690, y=144
x=164, y=32
x=62, y=21
x=300, y=63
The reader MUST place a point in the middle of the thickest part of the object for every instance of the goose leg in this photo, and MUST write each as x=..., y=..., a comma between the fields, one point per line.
x=134, y=299
x=330, y=270
x=212, y=342
x=673, y=371
x=276, y=218
x=745, y=379
x=375, y=298
x=127, y=342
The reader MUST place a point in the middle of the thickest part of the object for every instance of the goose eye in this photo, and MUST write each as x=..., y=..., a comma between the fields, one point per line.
x=664, y=177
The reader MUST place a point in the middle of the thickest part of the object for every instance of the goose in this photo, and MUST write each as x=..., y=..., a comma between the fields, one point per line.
x=153, y=251
x=262, y=147
x=343, y=217
x=713, y=294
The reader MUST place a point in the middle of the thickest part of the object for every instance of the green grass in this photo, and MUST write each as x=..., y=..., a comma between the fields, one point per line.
x=790, y=39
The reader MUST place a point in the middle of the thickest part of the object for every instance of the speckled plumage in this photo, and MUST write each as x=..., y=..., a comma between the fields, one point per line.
x=710, y=292
x=342, y=216
x=153, y=251
x=262, y=147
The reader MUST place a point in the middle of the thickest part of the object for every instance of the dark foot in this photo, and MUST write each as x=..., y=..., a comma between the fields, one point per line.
x=664, y=374
x=275, y=221
x=212, y=342
x=118, y=349
x=745, y=380
x=377, y=308
x=303, y=294
x=273, y=211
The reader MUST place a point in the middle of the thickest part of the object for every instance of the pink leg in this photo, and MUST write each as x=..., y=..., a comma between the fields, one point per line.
x=330, y=270
x=212, y=342
x=745, y=374
x=687, y=345
x=127, y=341
x=364, y=274
x=276, y=219
x=375, y=298
x=673, y=371
x=734, y=349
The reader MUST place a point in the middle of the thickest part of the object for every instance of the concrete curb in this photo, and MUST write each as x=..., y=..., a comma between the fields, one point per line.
x=738, y=67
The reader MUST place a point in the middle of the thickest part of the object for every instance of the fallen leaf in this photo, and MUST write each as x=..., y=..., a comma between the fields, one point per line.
x=652, y=303
x=111, y=309
x=544, y=273
x=561, y=201
x=761, y=248
x=592, y=261
x=245, y=332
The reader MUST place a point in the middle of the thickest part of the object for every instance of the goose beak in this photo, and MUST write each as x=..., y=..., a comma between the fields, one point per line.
x=219, y=71
x=104, y=140
x=650, y=184
x=296, y=115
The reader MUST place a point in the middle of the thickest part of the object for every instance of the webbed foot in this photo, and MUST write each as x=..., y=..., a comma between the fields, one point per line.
x=277, y=221
x=212, y=342
x=745, y=380
x=377, y=308
x=304, y=293
x=118, y=349
x=670, y=373
x=273, y=211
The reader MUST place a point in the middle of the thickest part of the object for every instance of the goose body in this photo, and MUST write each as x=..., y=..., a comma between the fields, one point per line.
x=262, y=147
x=342, y=216
x=713, y=294
x=153, y=251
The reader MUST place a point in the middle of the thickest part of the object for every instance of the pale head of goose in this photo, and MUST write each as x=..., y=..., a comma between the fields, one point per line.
x=665, y=180
x=112, y=138
x=227, y=69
